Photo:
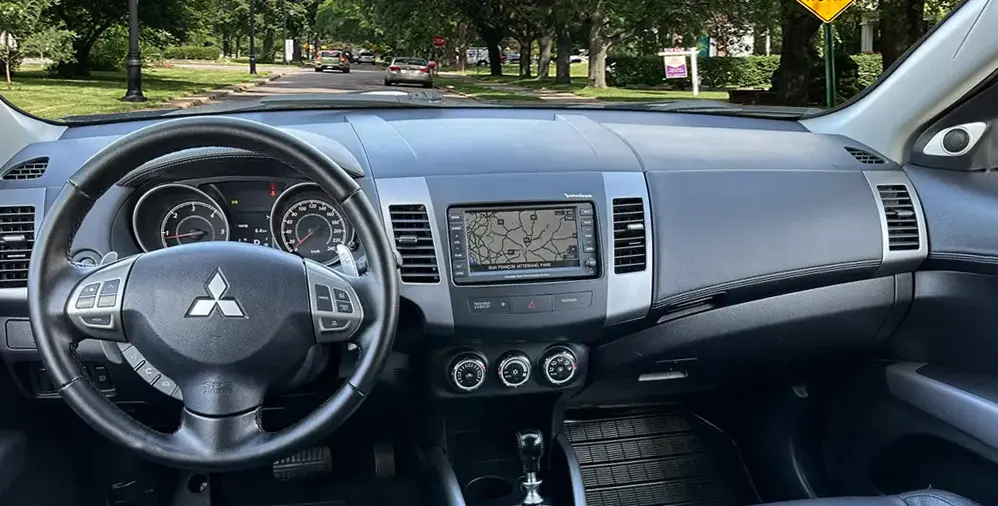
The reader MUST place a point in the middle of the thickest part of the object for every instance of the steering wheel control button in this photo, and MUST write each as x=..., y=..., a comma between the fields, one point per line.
x=530, y=304
x=165, y=385
x=104, y=321
x=560, y=366
x=498, y=305
x=336, y=309
x=95, y=306
x=331, y=324
x=323, y=301
x=467, y=372
x=148, y=373
x=110, y=287
x=576, y=300
x=101, y=378
x=514, y=370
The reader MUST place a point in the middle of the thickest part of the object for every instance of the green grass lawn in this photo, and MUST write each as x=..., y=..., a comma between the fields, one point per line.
x=469, y=87
x=49, y=97
x=578, y=87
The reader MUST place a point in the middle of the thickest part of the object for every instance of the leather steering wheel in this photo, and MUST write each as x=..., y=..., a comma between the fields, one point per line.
x=224, y=320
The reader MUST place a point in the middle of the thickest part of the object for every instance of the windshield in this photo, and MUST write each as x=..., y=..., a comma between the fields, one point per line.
x=89, y=60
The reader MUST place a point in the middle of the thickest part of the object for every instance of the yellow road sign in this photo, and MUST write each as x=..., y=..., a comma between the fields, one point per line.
x=826, y=10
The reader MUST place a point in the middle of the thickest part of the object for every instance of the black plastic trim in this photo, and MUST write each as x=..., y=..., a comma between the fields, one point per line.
x=439, y=470
x=574, y=470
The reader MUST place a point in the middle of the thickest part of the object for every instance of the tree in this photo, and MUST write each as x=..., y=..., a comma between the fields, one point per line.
x=491, y=18
x=18, y=19
x=901, y=25
x=89, y=19
x=797, y=54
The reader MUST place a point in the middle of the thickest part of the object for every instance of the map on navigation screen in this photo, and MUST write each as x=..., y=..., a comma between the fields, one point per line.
x=522, y=239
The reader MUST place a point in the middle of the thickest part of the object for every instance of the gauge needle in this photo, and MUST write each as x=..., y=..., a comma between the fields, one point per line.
x=188, y=234
x=303, y=239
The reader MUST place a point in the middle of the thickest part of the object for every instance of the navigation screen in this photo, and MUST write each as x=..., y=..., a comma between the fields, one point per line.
x=504, y=239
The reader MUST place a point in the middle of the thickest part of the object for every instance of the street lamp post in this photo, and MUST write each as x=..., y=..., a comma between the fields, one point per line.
x=252, y=36
x=284, y=11
x=134, y=91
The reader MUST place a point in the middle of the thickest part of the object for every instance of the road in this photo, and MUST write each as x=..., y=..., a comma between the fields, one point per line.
x=299, y=80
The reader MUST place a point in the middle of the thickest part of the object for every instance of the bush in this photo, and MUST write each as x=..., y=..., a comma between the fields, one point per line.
x=192, y=53
x=870, y=68
x=110, y=50
x=15, y=61
x=634, y=70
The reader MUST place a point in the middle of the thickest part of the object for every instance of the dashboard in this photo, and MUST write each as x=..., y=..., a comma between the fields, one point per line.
x=580, y=251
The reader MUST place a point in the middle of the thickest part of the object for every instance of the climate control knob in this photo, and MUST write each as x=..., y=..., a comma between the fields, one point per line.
x=560, y=366
x=467, y=372
x=514, y=370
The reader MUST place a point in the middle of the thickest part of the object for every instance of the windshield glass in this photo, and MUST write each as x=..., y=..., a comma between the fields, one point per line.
x=94, y=60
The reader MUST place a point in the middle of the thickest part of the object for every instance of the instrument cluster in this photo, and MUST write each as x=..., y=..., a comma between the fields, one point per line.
x=297, y=217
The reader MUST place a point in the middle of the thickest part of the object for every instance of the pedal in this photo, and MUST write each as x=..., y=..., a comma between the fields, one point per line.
x=384, y=460
x=307, y=463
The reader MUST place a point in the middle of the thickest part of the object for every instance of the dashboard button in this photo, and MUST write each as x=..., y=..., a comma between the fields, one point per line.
x=106, y=301
x=344, y=307
x=563, y=301
x=587, y=222
x=488, y=305
x=110, y=287
x=85, y=302
x=165, y=385
x=90, y=290
x=323, y=301
x=101, y=378
x=133, y=356
x=585, y=211
x=148, y=373
x=330, y=324
x=531, y=304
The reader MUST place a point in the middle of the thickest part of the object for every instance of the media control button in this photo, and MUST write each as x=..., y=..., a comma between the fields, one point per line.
x=106, y=300
x=585, y=211
x=323, y=300
x=85, y=302
x=488, y=304
x=341, y=295
x=165, y=385
x=344, y=307
x=454, y=216
x=563, y=301
x=531, y=304
x=329, y=324
x=587, y=222
x=458, y=255
x=90, y=290
x=110, y=287
x=589, y=249
x=98, y=320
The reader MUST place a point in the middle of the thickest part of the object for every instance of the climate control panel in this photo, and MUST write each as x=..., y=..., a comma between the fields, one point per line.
x=497, y=369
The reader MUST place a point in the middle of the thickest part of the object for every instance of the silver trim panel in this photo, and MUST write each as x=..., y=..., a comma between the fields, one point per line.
x=628, y=296
x=432, y=298
x=894, y=262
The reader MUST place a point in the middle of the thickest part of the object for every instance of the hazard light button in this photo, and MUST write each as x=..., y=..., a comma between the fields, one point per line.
x=530, y=304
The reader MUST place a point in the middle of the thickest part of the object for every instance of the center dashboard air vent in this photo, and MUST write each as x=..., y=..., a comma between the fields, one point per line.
x=31, y=169
x=414, y=241
x=865, y=157
x=17, y=236
x=629, y=248
x=902, y=220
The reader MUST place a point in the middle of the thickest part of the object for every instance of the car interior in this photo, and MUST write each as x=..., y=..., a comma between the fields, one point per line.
x=484, y=306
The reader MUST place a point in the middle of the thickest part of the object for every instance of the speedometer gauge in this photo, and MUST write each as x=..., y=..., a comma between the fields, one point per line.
x=306, y=223
x=191, y=222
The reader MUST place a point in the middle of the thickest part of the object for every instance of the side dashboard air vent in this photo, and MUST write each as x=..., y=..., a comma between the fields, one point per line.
x=902, y=221
x=414, y=241
x=17, y=236
x=629, y=248
x=865, y=157
x=31, y=169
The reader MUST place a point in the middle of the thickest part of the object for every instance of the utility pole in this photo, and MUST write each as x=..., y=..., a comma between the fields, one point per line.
x=134, y=79
x=252, y=36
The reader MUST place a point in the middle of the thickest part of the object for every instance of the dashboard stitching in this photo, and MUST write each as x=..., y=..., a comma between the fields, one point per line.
x=953, y=255
x=713, y=289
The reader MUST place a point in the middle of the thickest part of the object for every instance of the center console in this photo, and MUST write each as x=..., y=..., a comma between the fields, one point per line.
x=526, y=269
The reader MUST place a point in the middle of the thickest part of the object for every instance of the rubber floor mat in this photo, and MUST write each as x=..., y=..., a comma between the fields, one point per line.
x=657, y=459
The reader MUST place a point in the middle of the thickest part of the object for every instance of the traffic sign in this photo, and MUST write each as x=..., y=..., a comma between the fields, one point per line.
x=439, y=41
x=826, y=10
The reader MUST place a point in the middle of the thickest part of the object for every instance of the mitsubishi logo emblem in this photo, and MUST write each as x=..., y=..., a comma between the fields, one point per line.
x=205, y=306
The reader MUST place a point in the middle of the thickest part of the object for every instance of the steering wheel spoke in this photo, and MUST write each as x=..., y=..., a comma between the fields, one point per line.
x=94, y=305
x=219, y=436
x=337, y=307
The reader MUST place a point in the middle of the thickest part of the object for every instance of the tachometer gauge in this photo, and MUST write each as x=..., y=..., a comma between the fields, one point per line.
x=306, y=223
x=191, y=222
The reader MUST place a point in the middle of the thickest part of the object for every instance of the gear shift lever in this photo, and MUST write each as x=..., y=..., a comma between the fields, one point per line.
x=530, y=444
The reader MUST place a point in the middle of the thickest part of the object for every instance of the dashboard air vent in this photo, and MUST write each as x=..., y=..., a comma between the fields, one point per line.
x=31, y=169
x=414, y=242
x=629, y=253
x=865, y=157
x=17, y=235
x=902, y=221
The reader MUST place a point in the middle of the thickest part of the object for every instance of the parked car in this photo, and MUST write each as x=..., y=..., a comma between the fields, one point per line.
x=480, y=56
x=332, y=60
x=512, y=58
x=366, y=57
x=409, y=70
